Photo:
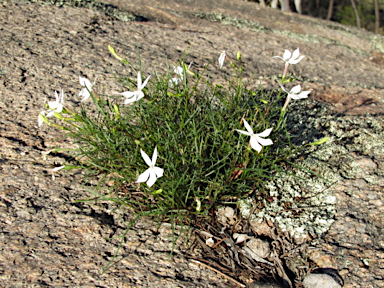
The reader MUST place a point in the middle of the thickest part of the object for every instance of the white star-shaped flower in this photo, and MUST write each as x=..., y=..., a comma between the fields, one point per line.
x=56, y=106
x=221, y=59
x=256, y=141
x=295, y=92
x=291, y=58
x=133, y=96
x=180, y=75
x=152, y=173
x=84, y=93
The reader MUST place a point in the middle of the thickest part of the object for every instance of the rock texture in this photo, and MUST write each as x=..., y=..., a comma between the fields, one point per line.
x=47, y=239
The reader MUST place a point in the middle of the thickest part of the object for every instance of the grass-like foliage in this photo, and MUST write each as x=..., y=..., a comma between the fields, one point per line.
x=194, y=130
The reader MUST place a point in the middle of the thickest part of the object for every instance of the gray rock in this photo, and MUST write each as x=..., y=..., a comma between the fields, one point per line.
x=323, y=277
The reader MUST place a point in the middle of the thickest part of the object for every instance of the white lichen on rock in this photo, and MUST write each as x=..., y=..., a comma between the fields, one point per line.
x=300, y=202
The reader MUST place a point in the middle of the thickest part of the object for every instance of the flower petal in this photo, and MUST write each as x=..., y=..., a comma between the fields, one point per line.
x=146, y=158
x=85, y=82
x=249, y=129
x=154, y=156
x=62, y=96
x=295, y=61
x=264, y=142
x=302, y=95
x=128, y=94
x=178, y=70
x=84, y=94
x=59, y=108
x=287, y=55
x=53, y=104
x=285, y=89
x=295, y=89
x=138, y=80
x=143, y=177
x=255, y=145
x=57, y=97
x=265, y=133
x=295, y=54
x=144, y=84
x=50, y=113
x=174, y=81
x=152, y=178
x=159, y=171
x=221, y=59
x=58, y=168
x=243, y=132
x=40, y=119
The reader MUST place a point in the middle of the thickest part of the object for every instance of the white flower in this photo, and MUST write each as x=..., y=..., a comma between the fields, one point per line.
x=295, y=93
x=291, y=58
x=56, y=106
x=133, y=96
x=152, y=173
x=221, y=59
x=177, y=80
x=180, y=75
x=256, y=139
x=84, y=93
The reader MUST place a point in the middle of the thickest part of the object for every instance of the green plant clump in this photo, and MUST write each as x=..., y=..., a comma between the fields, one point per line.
x=202, y=155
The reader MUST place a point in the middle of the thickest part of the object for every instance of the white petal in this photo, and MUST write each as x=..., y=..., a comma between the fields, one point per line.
x=302, y=95
x=152, y=178
x=59, y=108
x=94, y=82
x=221, y=59
x=58, y=168
x=85, y=82
x=84, y=94
x=143, y=177
x=50, y=113
x=138, y=80
x=249, y=129
x=255, y=145
x=145, y=83
x=264, y=142
x=154, y=156
x=174, y=81
x=178, y=70
x=135, y=98
x=243, y=132
x=129, y=94
x=295, y=89
x=159, y=171
x=57, y=97
x=62, y=96
x=53, y=104
x=287, y=55
x=146, y=158
x=265, y=133
x=282, y=87
x=295, y=54
x=295, y=61
x=40, y=119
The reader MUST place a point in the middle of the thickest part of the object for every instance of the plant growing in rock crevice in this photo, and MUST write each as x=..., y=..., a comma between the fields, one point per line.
x=193, y=130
